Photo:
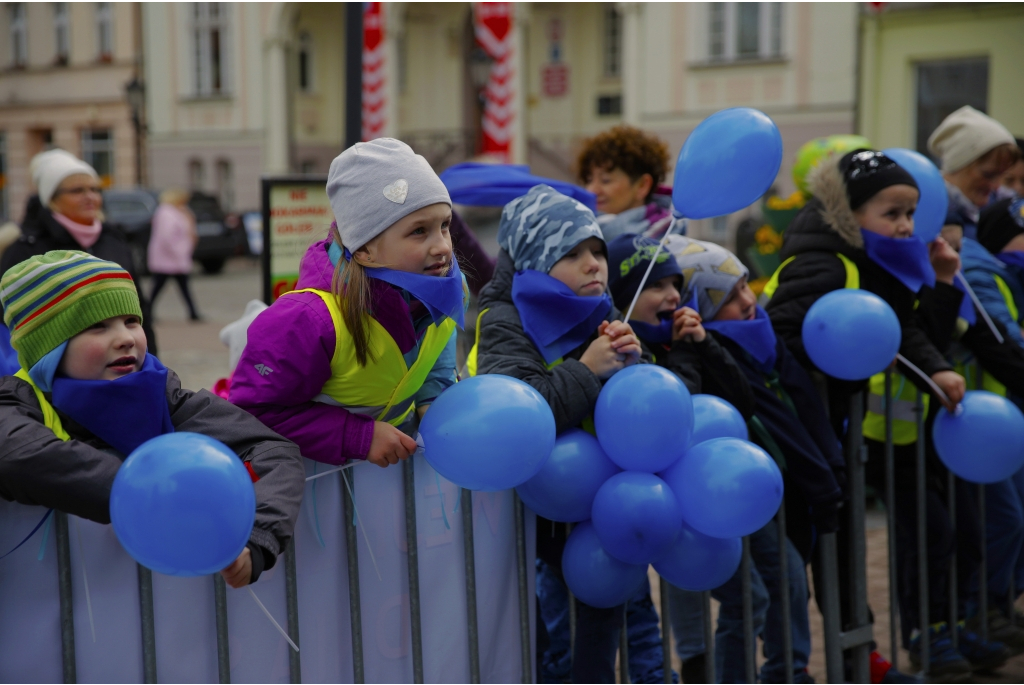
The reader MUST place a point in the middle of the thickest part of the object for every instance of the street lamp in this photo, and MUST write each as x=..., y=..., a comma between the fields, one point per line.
x=135, y=92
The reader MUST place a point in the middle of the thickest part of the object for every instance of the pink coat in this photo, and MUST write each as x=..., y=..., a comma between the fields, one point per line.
x=170, y=243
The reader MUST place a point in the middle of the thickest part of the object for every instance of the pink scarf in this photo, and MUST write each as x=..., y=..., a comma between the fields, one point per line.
x=85, y=235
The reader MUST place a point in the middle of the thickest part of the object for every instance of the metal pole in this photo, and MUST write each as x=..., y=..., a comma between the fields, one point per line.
x=830, y=609
x=922, y=541
x=67, y=617
x=666, y=630
x=856, y=456
x=220, y=608
x=354, y=602
x=409, y=483
x=749, y=645
x=785, y=600
x=953, y=609
x=890, y=521
x=624, y=646
x=471, y=618
x=983, y=569
x=709, y=639
x=524, y=589
x=292, y=601
x=148, y=624
x=353, y=73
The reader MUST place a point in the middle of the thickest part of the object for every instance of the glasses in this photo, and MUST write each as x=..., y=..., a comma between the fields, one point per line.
x=81, y=190
x=867, y=163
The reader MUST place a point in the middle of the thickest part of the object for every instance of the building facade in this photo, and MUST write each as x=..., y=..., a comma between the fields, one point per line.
x=63, y=71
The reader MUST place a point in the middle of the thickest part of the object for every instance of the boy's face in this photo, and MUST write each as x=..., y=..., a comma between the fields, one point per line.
x=741, y=305
x=616, y=191
x=584, y=269
x=106, y=351
x=890, y=212
x=660, y=296
x=418, y=243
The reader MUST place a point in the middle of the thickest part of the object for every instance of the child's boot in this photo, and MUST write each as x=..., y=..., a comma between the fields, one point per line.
x=983, y=655
x=945, y=664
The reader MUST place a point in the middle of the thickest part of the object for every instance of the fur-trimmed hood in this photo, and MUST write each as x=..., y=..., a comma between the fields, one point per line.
x=826, y=223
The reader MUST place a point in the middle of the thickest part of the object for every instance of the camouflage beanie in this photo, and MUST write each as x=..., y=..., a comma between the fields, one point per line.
x=543, y=226
x=710, y=268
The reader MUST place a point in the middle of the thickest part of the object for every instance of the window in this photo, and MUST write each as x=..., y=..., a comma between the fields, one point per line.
x=61, y=32
x=609, y=105
x=19, y=35
x=196, y=175
x=105, y=31
x=209, y=48
x=305, y=62
x=744, y=31
x=946, y=86
x=98, y=150
x=612, y=42
x=225, y=185
x=5, y=213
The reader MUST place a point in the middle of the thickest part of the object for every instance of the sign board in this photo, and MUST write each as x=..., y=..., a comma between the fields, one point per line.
x=555, y=79
x=296, y=213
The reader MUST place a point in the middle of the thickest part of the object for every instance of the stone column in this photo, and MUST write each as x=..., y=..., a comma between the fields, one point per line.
x=276, y=157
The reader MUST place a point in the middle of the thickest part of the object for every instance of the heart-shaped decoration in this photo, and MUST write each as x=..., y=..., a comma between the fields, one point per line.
x=397, y=191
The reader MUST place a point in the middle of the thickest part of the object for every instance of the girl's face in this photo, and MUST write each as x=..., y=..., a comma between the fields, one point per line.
x=79, y=198
x=741, y=305
x=890, y=212
x=106, y=351
x=979, y=179
x=616, y=191
x=584, y=269
x=419, y=243
x=660, y=296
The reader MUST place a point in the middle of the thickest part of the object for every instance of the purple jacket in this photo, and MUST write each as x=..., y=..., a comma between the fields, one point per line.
x=287, y=360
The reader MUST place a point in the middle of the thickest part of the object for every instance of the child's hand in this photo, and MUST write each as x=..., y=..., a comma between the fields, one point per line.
x=953, y=384
x=389, y=445
x=686, y=324
x=624, y=340
x=944, y=259
x=240, y=571
x=615, y=348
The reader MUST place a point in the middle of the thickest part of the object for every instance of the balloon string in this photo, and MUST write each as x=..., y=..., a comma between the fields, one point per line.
x=85, y=579
x=46, y=537
x=316, y=512
x=355, y=518
x=329, y=472
x=444, y=516
x=931, y=384
x=271, y=617
x=977, y=305
x=650, y=267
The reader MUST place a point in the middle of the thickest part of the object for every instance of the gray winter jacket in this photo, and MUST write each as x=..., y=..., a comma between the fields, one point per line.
x=570, y=388
x=38, y=468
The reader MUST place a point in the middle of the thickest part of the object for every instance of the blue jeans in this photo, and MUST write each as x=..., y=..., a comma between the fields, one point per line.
x=1004, y=538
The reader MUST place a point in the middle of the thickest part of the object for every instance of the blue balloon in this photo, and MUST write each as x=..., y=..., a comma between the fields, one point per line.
x=595, y=577
x=636, y=517
x=183, y=504
x=851, y=334
x=644, y=418
x=983, y=441
x=727, y=163
x=933, y=204
x=699, y=562
x=564, y=488
x=713, y=417
x=727, y=488
x=489, y=432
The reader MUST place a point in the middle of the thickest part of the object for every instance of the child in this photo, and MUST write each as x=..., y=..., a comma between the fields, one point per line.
x=74, y=320
x=546, y=319
x=340, y=364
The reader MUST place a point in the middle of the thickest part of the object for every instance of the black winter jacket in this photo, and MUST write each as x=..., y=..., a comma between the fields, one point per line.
x=38, y=468
x=706, y=367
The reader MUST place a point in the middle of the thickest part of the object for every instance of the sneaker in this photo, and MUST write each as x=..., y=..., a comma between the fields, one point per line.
x=983, y=655
x=1001, y=630
x=945, y=664
x=883, y=672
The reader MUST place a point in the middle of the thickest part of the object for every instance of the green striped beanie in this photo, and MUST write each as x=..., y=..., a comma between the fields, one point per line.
x=51, y=298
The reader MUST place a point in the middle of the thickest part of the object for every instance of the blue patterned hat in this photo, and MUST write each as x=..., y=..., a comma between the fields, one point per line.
x=542, y=226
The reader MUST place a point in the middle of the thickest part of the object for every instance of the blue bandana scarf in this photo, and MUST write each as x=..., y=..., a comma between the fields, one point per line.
x=904, y=258
x=555, y=318
x=124, y=413
x=441, y=295
x=756, y=336
x=662, y=333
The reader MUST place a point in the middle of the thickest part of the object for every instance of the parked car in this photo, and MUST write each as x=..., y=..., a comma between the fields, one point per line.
x=131, y=210
x=220, y=235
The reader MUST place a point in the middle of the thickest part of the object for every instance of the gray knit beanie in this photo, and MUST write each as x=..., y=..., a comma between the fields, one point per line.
x=710, y=268
x=372, y=185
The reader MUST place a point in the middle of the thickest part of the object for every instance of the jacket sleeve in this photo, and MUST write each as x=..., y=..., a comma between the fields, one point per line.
x=985, y=287
x=571, y=389
x=937, y=312
x=284, y=366
x=716, y=370
x=38, y=468
x=919, y=350
x=803, y=282
x=274, y=460
x=1005, y=361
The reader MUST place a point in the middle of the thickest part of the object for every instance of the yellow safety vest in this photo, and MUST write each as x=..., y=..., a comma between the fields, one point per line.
x=988, y=381
x=50, y=418
x=904, y=394
x=385, y=387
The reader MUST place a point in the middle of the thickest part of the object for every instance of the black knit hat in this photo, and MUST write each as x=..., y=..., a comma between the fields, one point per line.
x=1000, y=223
x=867, y=172
x=628, y=258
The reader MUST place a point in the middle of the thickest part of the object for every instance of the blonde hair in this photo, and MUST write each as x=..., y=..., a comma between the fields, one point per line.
x=175, y=196
x=350, y=285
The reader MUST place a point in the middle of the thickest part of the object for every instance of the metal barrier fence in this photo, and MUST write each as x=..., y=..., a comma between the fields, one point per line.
x=848, y=636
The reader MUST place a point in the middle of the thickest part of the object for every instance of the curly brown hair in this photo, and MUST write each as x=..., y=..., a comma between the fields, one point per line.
x=627, y=148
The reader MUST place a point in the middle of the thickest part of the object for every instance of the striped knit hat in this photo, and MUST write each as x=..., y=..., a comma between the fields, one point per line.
x=51, y=298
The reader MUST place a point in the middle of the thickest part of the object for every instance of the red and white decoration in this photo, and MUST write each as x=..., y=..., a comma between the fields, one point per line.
x=374, y=93
x=492, y=27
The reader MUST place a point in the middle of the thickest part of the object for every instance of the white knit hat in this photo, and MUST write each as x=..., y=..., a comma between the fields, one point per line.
x=35, y=166
x=964, y=136
x=53, y=169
